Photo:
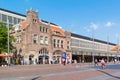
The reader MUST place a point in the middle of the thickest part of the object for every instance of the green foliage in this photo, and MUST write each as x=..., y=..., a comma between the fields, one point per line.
x=4, y=39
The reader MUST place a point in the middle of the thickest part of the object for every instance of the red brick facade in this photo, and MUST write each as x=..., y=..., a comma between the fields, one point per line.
x=37, y=38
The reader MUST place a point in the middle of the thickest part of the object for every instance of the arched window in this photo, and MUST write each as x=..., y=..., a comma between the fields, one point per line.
x=57, y=52
x=43, y=51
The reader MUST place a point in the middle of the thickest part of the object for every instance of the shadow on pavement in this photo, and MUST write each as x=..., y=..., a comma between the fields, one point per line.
x=35, y=78
x=109, y=74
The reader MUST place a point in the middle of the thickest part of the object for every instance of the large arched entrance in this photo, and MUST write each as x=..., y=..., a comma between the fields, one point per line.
x=43, y=56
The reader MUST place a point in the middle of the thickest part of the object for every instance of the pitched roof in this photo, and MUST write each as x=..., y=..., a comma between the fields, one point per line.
x=115, y=48
x=23, y=24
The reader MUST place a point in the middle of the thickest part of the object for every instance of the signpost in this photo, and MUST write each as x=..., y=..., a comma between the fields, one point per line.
x=64, y=57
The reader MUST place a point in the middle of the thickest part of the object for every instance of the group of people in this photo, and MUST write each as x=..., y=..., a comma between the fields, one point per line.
x=102, y=62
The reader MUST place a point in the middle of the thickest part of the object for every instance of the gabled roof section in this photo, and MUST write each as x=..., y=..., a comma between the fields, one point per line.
x=20, y=26
x=23, y=24
x=116, y=48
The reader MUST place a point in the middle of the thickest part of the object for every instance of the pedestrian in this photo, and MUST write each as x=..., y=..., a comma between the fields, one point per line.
x=102, y=63
x=75, y=61
x=64, y=62
x=96, y=62
x=51, y=61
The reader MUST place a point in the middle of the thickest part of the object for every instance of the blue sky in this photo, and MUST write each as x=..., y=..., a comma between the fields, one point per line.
x=78, y=16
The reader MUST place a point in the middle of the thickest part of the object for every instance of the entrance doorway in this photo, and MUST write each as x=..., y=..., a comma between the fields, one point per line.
x=57, y=56
x=42, y=60
x=31, y=61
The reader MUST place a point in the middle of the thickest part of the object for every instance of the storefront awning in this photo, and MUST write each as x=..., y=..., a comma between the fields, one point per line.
x=3, y=55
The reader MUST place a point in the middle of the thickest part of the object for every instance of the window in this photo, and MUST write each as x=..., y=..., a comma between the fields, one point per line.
x=54, y=43
x=35, y=20
x=68, y=42
x=10, y=25
x=46, y=40
x=18, y=39
x=61, y=43
x=43, y=51
x=40, y=28
x=68, y=45
x=19, y=20
x=57, y=33
x=43, y=29
x=58, y=42
x=15, y=20
x=46, y=29
x=4, y=18
x=41, y=39
x=10, y=19
x=35, y=39
x=22, y=19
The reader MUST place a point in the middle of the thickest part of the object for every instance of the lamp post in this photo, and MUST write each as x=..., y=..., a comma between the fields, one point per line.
x=107, y=48
x=92, y=45
x=8, y=42
x=118, y=47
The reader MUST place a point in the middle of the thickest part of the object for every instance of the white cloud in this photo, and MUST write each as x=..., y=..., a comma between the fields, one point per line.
x=93, y=26
x=109, y=24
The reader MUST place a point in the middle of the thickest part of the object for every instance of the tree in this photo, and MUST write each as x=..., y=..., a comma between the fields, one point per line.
x=4, y=39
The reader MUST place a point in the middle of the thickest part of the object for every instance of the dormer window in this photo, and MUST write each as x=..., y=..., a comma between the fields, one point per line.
x=57, y=33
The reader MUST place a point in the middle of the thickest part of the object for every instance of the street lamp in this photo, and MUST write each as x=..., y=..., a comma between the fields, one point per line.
x=93, y=45
x=107, y=48
x=118, y=46
x=8, y=42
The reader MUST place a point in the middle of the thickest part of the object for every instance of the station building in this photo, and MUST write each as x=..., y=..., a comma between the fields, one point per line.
x=86, y=49
x=10, y=18
x=42, y=41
